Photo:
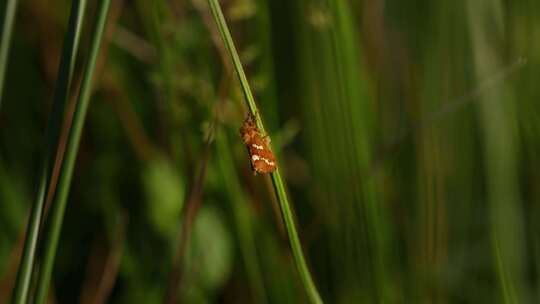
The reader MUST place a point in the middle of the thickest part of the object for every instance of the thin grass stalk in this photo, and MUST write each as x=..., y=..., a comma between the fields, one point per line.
x=294, y=240
x=63, y=84
x=5, y=42
x=277, y=180
x=59, y=202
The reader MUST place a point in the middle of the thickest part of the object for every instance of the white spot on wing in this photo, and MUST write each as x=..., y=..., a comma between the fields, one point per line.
x=258, y=147
x=256, y=157
x=268, y=162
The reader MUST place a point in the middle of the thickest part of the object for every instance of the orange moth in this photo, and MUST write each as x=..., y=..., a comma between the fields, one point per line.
x=261, y=157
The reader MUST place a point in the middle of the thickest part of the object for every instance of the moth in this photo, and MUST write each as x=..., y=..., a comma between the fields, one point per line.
x=261, y=157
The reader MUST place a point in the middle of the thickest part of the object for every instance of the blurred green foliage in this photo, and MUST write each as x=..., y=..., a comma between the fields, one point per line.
x=408, y=133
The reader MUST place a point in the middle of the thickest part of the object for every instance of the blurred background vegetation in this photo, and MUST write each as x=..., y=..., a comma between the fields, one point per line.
x=408, y=133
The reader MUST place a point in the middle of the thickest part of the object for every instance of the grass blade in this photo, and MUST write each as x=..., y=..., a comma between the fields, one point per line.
x=65, y=73
x=277, y=181
x=294, y=239
x=7, y=30
x=59, y=202
x=498, y=119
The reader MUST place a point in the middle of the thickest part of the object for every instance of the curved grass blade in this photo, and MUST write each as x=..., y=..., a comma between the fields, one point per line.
x=58, y=206
x=63, y=84
x=277, y=181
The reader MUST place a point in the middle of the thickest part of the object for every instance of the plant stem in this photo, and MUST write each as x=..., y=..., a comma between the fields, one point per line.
x=227, y=40
x=294, y=239
x=65, y=73
x=20, y=292
x=276, y=176
x=7, y=30
x=58, y=206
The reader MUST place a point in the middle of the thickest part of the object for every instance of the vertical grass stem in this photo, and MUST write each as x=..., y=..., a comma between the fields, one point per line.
x=277, y=181
x=63, y=83
x=54, y=224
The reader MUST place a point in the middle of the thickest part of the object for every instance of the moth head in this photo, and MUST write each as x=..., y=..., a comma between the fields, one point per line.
x=249, y=130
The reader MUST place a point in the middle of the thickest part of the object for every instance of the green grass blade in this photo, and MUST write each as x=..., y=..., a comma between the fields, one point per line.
x=59, y=202
x=498, y=119
x=20, y=293
x=293, y=238
x=65, y=73
x=7, y=30
x=276, y=176
x=227, y=40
